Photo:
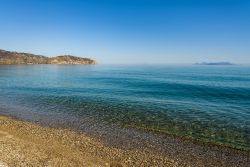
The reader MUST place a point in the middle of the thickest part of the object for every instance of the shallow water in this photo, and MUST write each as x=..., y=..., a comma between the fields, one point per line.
x=209, y=103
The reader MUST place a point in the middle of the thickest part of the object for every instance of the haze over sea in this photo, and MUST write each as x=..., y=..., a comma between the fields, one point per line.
x=206, y=103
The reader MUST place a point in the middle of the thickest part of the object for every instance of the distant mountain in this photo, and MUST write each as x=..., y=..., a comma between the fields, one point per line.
x=7, y=57
x=215, y=63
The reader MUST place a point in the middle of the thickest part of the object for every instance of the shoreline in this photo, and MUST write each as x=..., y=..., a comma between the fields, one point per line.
x=207, y=143
x=35, y=144
x=28, y=144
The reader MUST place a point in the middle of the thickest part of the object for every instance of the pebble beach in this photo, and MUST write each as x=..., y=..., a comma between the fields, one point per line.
x=28, y=144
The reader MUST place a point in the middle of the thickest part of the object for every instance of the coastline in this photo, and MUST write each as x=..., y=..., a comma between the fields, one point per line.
x=26, y=144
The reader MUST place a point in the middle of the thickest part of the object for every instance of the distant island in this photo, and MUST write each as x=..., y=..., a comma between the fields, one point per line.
x=7, y=57
x=214, y=63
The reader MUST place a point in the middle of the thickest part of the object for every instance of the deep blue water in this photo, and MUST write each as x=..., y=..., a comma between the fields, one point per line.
x=209, y=103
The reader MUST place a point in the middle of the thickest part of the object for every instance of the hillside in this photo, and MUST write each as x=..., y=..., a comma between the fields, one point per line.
x=7, y=57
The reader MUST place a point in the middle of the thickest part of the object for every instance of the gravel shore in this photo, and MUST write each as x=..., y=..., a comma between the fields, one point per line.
x=28, y=144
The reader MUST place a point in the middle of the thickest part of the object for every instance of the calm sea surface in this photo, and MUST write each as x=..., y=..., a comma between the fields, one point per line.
x=209, y=103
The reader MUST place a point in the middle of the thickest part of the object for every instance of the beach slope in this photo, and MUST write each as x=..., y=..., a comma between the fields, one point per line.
x=27, y=144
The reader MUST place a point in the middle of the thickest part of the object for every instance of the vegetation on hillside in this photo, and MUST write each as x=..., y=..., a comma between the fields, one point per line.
x=7, y=57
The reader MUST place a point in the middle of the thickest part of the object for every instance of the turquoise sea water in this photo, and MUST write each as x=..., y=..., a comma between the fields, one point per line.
x=208, y=103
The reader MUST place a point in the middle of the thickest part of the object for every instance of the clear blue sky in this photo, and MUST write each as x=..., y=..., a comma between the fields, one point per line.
x=129, y=31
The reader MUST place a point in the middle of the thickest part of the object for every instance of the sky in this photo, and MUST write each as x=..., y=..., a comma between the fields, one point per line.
x=129, y=31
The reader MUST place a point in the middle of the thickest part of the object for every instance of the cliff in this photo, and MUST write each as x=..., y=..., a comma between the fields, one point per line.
x=7, y=57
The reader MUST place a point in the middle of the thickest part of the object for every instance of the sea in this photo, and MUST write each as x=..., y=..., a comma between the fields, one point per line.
x=206, y=103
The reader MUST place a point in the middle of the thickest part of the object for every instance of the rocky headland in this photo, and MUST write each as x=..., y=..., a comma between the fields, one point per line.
x=8, y=57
